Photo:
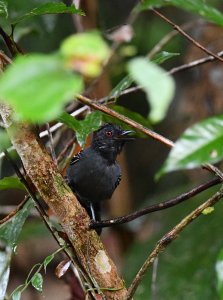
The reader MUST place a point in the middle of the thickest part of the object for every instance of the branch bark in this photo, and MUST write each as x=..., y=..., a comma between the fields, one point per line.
x=50, y=185
x=133, y=124
x=170, y=237
x=156, y=207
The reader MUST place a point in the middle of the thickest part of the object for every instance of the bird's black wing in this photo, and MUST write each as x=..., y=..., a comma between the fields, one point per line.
x=76, y=158
x=73, y=161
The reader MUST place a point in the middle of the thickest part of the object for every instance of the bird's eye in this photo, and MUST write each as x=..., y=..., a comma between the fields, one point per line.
x=109, y=133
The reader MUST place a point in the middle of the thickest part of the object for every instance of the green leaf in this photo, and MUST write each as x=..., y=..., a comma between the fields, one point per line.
x=161, y=57
x=47, y=260
x=198, y=7
x=9, y=231
x=127, y=80
x=121, y=86
x=199, y=144
x=49, y=8
x=91, y=123
x=85, y=53
x=4, y=9
x=219, y=273
x=82, y=128
x=5, y=257
x=11, y=183
x=158, y=85
x=201, y=8
x=37, y=86
x=16, y=295
x=70, y=121
x=37, y=282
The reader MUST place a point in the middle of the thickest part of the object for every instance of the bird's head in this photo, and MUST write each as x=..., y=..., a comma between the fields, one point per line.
x=109, y=140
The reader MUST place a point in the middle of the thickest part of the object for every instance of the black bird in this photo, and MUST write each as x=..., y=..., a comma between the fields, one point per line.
x=94, y=173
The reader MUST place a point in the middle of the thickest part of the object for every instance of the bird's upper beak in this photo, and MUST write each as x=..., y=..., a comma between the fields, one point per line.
x=125, y=135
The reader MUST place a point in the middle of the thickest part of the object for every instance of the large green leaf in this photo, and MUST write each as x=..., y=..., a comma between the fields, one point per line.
x=85, y=52
x=49, y=8
x=11, y=183
x=82, y=128
x=10, y=230
x=199, y=144
x=37, y=86
x=158, y=85
x=198, y=7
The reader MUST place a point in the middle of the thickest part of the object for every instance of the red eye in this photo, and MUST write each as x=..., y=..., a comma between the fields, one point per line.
x=109, y=133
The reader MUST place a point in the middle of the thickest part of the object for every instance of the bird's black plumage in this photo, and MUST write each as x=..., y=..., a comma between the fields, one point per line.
x=94, y=173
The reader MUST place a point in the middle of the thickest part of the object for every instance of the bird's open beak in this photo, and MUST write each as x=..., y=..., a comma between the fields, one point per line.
x=125, y=135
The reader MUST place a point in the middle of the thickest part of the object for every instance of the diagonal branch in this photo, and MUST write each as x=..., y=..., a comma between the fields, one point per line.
x=126, y=120
x=156, y=207
x=169, y=36
x=187, y=36
x=170, y=237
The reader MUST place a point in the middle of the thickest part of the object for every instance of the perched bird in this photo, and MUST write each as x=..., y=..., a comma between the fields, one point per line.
x=94, y=173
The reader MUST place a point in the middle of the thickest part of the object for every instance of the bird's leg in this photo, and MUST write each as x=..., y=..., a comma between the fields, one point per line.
x=95, y=209
x=93, y=217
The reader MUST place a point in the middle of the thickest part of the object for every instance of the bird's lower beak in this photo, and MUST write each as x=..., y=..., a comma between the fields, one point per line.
x=125, y=135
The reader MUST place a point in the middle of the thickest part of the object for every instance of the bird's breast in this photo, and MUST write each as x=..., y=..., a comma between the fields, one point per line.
x=95, y=180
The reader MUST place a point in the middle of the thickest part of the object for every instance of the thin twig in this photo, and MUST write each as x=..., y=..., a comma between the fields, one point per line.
x=156, y=207
x=187, y=36
x=213, y=169
x=14, y=212
x=170, y=237
x=65, y=149
x=169, y=36
x=52, y=151
x=194, y=63
x=5, y=58
x=63, y=166
x=126, y=120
